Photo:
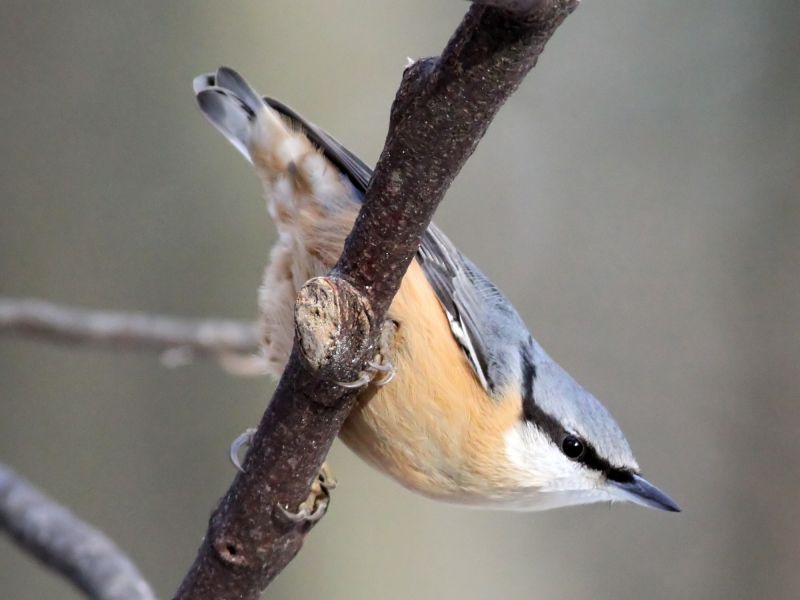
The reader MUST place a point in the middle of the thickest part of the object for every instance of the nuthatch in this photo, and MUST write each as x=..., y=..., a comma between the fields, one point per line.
x=478, y=413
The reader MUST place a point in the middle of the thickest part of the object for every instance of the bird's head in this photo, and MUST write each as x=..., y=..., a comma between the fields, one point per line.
x=567, y=449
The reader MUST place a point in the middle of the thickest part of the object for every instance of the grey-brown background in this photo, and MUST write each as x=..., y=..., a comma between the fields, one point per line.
x=637, y=199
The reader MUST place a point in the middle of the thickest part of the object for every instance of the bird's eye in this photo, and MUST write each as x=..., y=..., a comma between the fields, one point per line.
x=572, y=447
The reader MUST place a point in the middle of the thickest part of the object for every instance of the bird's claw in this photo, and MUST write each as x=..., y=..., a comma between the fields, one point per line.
x=380, y=370
x=316, y=505
x=386, y=369
x=363, y=379
x=303, y=516
x=378, y=373
x=243, y=439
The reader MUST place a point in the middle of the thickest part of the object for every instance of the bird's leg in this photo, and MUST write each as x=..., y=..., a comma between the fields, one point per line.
x=380, y=370
x=316, y=505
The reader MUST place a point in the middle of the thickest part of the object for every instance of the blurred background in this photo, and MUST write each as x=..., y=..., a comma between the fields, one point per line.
x=637, y=199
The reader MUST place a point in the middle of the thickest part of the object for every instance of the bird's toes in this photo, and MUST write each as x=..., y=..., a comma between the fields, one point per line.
x=316, y=505
x=243, y=439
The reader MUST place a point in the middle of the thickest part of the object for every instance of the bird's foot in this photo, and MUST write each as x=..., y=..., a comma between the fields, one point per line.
x=380, y=370
x=316, y=505
x=243, y=439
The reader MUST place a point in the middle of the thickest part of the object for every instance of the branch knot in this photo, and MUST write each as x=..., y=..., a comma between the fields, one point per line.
x=333, y=325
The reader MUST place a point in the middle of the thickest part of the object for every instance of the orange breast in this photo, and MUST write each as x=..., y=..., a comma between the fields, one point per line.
x=433, y=428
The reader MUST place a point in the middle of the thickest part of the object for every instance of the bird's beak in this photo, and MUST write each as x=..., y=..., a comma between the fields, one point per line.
x=641, y=491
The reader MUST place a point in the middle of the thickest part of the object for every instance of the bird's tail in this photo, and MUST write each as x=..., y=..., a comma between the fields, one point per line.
x=294, y=173
x=311, y=201
x=236, y=110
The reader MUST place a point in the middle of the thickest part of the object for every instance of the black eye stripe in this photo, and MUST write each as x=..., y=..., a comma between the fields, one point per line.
x=534, y=414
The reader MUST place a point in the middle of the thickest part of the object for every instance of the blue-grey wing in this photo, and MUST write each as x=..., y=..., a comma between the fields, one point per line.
x=482, y=320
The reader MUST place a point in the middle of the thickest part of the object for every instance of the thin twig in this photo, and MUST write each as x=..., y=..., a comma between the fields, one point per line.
x=441, y=111
x=81, y=553
x=127, y=330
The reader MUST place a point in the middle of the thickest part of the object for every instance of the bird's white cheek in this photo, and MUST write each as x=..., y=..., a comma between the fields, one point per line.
x=532, y=457
x=540, y=464
x=545, y=477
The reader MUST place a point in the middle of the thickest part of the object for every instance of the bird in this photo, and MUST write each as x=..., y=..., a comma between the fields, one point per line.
x=463, y=405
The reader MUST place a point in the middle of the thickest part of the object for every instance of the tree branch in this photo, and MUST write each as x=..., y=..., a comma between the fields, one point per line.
x=519, y=7
x=81, y=553
x=127, y=330
x=441, y=111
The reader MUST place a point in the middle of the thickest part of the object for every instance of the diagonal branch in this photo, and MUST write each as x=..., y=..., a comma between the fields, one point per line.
x=81, y=553
x=126, y=330
x=441, y=111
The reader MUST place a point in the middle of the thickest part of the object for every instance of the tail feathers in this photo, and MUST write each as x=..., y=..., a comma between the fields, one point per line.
x=203, y=82
x=230, y=116
x=235, y=109
x=229, y=79
x=300, y=183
